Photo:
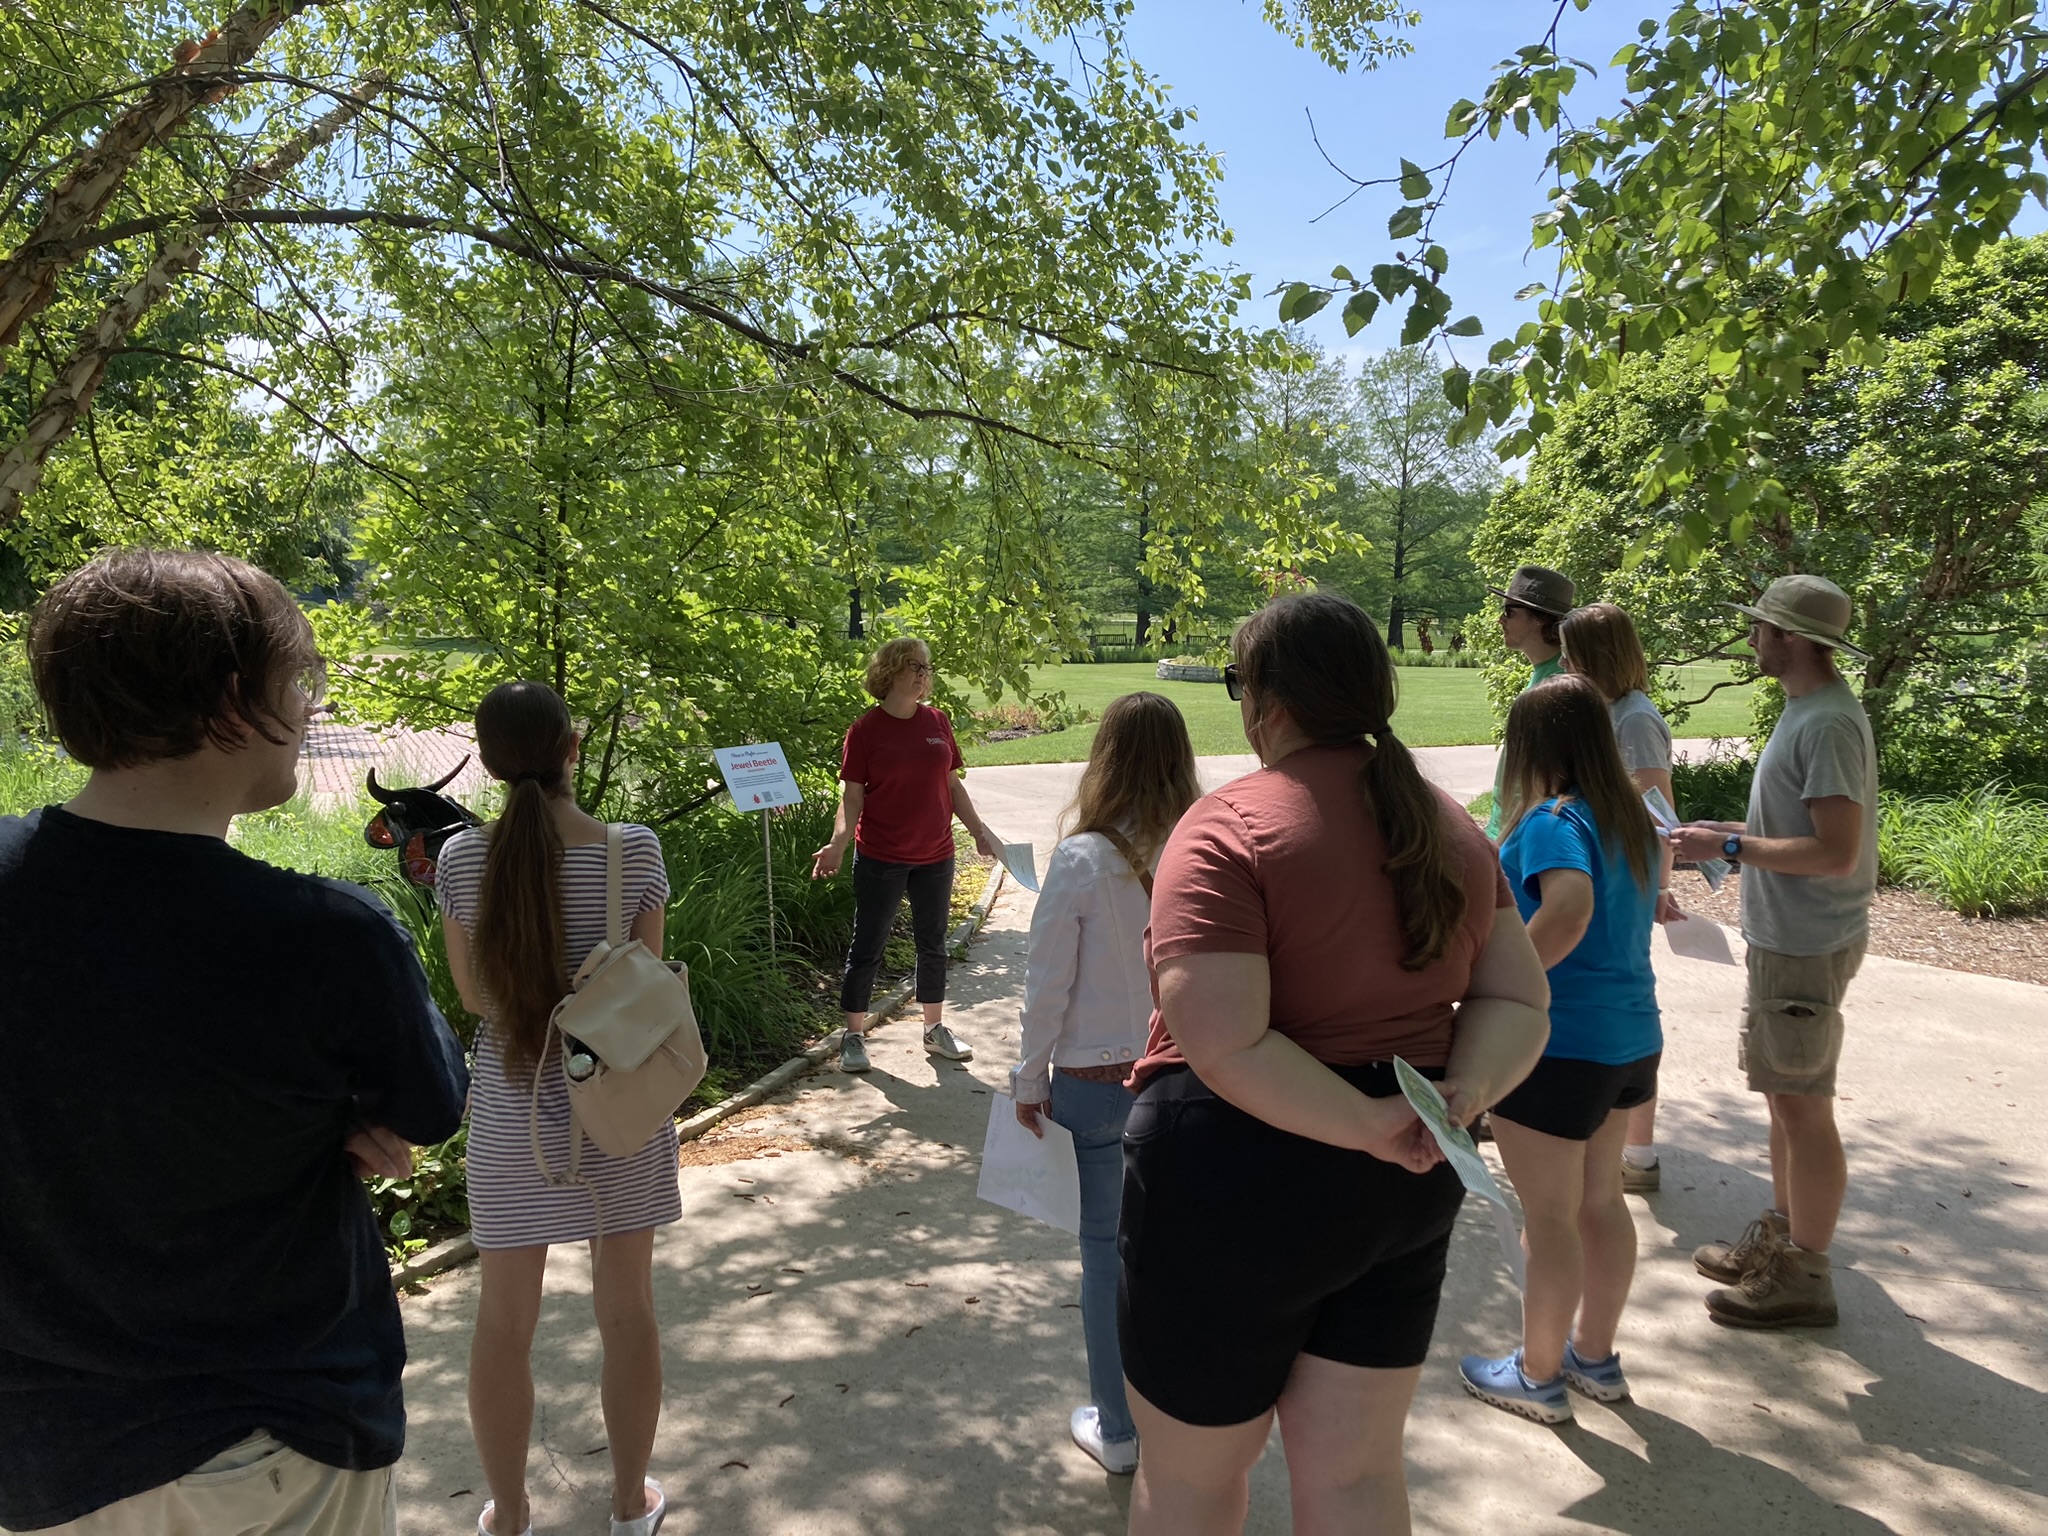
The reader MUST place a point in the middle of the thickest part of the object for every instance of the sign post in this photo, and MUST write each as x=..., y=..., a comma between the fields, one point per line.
x=758, y=778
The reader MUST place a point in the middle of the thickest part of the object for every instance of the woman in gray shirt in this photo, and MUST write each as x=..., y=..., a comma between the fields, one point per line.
x=1601, y=645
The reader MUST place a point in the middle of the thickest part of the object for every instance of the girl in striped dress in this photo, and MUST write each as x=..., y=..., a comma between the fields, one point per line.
x=524, y=903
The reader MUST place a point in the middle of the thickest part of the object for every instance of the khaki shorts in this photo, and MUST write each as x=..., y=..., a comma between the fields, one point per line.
x=257, y=1488
x=1792, y=1024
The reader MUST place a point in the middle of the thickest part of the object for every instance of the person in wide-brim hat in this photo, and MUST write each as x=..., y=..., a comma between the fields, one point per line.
x=1809, y=606
x=1539, y=587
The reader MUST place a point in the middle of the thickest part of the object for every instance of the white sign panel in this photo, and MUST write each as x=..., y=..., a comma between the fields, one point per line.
x=758, y=776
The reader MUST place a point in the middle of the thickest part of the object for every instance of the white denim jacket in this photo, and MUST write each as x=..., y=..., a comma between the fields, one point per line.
x=1087, y=995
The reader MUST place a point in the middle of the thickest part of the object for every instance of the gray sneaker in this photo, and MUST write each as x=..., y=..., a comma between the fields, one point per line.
x=941, y=1041
x=853, y=1053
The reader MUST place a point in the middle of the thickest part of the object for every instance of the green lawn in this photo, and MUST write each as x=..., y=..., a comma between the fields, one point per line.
x=1440, y=707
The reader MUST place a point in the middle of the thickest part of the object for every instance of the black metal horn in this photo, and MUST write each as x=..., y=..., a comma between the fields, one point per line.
x=449, y=777
x=378, y=792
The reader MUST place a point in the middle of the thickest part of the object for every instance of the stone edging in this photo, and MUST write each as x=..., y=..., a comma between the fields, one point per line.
x=1179, y=672
x=461, y=1248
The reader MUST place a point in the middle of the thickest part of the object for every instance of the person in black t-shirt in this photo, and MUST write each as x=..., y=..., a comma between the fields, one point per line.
x=204, y=1053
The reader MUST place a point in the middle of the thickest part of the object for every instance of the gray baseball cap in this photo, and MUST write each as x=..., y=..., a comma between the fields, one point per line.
x=1541, y=588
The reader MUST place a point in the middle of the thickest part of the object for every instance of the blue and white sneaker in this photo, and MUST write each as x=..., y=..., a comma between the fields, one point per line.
x=1601, y=1380
x=1501, y=1383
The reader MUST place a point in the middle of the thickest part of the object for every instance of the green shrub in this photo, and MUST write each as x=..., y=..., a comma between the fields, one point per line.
x=34, y=773
x=432, y=1203
x=1984, y=853
x=1442, y=656
x=1713, y=788
x=20, y=712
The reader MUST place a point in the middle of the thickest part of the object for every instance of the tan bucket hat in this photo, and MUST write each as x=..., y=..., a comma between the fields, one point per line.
x=1541, y=588
x=1811, y=606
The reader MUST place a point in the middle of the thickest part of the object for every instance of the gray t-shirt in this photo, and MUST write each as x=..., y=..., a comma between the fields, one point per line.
x=1640, y=732
x=1822, y=747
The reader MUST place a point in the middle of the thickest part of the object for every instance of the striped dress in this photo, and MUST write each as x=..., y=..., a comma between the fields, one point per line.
x=510, y=1206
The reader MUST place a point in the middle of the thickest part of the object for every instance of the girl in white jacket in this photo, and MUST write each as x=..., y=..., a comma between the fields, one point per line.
x=1088, y=1002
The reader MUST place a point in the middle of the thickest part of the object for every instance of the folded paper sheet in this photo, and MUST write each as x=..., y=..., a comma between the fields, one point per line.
x=1033, y=1176
x=1713, y=871
x=1463, y=1155
x=1699, y=938
x=1023, y=867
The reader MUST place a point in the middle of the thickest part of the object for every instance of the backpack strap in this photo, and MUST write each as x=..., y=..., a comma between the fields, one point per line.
x=1123, y=846
x=614, y=883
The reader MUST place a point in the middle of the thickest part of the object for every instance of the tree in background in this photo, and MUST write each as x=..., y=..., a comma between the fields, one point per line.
x=1780, y=177
x=650, y=347
x=1418, y=497
x=1918, y=486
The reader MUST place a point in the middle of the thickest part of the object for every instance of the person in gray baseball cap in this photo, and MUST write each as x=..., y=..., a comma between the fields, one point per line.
x=1533, y=605
x=1809, y=856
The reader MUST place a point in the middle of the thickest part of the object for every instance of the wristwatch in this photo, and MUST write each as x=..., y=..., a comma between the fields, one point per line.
x=1732, y=848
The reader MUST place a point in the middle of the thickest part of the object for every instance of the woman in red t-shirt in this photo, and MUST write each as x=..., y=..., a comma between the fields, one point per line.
x=1286, y=1217
x=901, y=772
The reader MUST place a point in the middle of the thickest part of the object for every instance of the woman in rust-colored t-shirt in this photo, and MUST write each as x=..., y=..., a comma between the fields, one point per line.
x=1286, y=1217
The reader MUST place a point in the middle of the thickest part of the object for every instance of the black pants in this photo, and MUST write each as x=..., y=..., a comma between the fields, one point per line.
x=878, y=890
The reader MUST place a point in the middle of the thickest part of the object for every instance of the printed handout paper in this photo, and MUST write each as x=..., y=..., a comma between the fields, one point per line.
x=1463, y=1155
x=1022, y=865
x=1713, y=871
x=1033, y=1176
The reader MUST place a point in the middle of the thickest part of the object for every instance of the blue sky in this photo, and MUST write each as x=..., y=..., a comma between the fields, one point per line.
x=1253, y=90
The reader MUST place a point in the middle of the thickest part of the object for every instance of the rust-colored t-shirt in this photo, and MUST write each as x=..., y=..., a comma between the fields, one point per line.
x=1286, y=863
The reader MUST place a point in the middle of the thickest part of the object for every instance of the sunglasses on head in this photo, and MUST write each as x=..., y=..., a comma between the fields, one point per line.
x=1232, y=683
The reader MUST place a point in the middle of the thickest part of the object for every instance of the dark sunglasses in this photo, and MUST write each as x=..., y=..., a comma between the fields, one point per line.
x=1232, y=683
x=1523, y=608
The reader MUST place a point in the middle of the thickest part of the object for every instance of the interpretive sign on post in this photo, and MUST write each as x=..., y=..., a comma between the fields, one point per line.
x=758, y=776
x=758, y=779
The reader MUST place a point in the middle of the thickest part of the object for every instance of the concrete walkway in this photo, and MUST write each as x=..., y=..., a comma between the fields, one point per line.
x=856, y=1345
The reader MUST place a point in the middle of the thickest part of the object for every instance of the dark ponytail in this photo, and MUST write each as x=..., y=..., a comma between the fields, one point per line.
x=524, y=735
x=1318, y=656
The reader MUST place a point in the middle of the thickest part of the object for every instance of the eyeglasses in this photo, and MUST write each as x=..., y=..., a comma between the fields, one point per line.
x=920, y=669
x=1233, y=684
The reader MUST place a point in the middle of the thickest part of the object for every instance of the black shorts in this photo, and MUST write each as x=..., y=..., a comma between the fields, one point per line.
x=1572, y=1099
x=1244, y=1246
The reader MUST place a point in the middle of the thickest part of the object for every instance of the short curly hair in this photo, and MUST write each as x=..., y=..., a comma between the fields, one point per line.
x=893, y=660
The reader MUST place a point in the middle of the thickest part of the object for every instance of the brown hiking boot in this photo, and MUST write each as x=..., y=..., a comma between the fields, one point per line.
x=1727, y=1262
x=1785, y=1287
x=1641, y=1181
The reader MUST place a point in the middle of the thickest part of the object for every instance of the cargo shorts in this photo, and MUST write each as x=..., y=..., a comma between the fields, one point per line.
x=1792, y=1022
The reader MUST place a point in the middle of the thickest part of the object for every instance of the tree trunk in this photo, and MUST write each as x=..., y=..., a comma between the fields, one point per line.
x=28, y=279
x=856, y=626
x=70, y=395
x=1397, y=607
x=1144, y=598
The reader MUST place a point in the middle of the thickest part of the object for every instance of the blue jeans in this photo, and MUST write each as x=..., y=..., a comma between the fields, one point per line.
x=1095, y=1113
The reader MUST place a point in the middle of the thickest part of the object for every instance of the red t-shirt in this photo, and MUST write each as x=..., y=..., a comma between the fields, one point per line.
x=907, y=767
x=1287, y=863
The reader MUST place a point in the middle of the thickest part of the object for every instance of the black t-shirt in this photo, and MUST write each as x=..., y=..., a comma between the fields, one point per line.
x=186, y=1255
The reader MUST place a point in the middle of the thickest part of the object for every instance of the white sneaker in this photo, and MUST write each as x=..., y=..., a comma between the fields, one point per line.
x=649, y=1523
x=853, y=1053
x=941, y=1041
x=1118, y=1456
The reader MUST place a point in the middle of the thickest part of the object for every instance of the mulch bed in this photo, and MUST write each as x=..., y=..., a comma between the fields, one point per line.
x=1905, y=925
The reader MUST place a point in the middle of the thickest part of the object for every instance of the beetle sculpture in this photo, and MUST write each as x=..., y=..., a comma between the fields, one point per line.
x=417, y=822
